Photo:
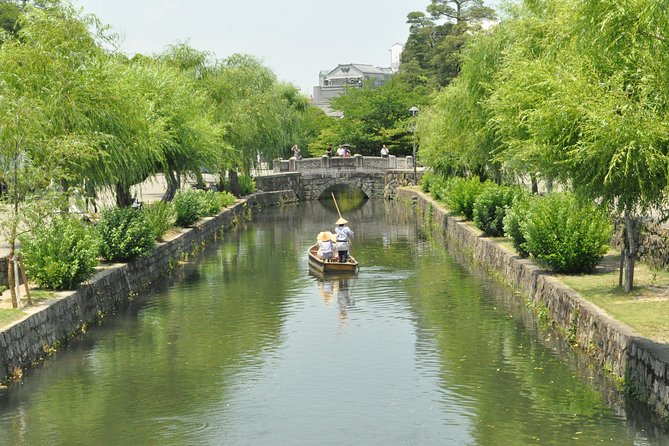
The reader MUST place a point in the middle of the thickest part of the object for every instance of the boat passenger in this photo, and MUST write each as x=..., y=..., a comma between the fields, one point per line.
x=343, y=234
x=325, y=245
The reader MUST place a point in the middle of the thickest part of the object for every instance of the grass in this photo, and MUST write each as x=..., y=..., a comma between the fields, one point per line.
x=9, y=315
x=644, y=309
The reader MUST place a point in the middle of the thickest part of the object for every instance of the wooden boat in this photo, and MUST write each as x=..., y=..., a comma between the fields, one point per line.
x=333, y=266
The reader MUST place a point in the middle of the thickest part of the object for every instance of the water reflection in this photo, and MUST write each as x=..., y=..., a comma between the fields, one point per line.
x=250, y=347
x=336, y=288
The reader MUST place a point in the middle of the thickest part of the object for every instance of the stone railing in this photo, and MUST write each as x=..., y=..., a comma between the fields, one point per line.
x=354, y=162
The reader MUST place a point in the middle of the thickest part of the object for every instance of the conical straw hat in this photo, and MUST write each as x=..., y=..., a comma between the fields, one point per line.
x=341, y=221
x=325, y=235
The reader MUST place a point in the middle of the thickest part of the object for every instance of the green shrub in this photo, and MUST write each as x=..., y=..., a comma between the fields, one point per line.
x=516, y=214
x=461, y=193
x=189, y=206
x=490, y=208
x=125, y=234
x=564, y=234
x=226, y=199
x=60, y=255
x=426, y=181
x=213, y=202
x=160, y=216
x=247, y=185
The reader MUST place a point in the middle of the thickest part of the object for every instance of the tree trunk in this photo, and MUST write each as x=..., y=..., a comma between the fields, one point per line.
x=173, y=184
x=123, y=198
x=10, y=278
x=199, y=180
x=535, y=184
x=623, y=254
x=234, y=182
x=631, y=252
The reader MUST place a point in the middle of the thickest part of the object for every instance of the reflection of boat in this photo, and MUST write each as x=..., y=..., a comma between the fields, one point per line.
x=321, y=265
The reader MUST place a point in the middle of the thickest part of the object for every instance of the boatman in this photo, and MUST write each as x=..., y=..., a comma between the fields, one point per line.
x=343, y=234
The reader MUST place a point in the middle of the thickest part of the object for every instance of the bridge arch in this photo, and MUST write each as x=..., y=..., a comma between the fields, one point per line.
x=352, y=182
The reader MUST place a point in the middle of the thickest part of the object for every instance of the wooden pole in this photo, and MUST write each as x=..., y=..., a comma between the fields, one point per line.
x=335, y=202
x=25, y=280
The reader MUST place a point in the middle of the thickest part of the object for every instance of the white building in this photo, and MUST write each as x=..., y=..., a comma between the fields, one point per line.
x=334, y=82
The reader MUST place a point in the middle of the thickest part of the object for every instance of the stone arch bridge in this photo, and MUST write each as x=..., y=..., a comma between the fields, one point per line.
x=310, y=178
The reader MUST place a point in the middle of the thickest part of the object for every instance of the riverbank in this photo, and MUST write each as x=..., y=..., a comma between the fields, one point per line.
x=60, y=316
x=639, y=364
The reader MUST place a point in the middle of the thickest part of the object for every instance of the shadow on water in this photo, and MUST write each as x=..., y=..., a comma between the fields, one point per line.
x=348, y=198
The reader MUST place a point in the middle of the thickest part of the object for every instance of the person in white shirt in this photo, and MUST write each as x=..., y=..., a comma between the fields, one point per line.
x=326, y=247
x=296, y=152
x=384, y=151
x=343, y=234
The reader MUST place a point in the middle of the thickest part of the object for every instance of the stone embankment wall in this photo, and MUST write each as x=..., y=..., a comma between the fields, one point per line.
x=30, y=339
x=652, y=239
x=641, y=364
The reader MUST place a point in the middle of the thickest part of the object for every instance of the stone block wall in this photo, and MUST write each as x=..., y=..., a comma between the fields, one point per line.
x=612, y=345
x=30, y=339
x=653, y=241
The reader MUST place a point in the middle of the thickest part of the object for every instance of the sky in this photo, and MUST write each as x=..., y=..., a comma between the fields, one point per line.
x=295, y=38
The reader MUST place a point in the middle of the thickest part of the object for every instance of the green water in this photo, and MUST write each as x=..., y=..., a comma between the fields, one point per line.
x=247, y=347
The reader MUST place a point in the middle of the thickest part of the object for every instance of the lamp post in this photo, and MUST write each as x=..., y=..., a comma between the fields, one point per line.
x=414, y=112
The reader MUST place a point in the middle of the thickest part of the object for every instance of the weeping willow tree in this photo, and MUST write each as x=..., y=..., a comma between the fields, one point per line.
x=590, y=107
x=454, y=135
x=99, y=121
x=574, y=91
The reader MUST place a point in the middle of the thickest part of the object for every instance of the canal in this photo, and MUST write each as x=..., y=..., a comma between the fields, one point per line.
x=246, y=346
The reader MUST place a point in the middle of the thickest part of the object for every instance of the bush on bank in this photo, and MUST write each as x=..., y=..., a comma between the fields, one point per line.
x=160, y=216
x=461, y=194
x=490, y=208
x=191, y=204
x=559, y=231
x=60, y=255
x=516, y=214
x=565, y=234
x=125, y=233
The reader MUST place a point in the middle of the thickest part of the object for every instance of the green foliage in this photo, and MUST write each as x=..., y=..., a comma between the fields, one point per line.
x=247, y=185
x=515, y=215
x=262, y=117
x=60, y=255
x=189, y=207
x=213, y=202
x=160, y=217
x=125, y=234
x=431, y=54
x=426, y=181
x=436, y=184
x=461, y=194
x=376, y=116
x=490, y=208
x=564, y=234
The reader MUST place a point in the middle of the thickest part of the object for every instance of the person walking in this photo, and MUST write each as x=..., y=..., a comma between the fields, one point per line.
x=343, y=235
